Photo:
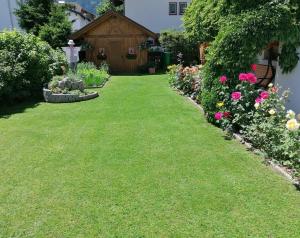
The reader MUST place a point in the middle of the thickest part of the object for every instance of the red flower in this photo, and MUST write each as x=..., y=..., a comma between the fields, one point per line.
x=264, y=95
x=227, y=114
x=259, y=100
x=253, y=67
x=223, y=79
x=251, y=78
x=243, y=77
x=236, y=96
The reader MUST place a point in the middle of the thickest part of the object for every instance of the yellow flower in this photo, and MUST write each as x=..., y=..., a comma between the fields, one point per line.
x=220, y=104
x=292, y=125
x=272, y=112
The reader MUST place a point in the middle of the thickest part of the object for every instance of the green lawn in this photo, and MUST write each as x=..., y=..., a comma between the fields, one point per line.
x=139, y=161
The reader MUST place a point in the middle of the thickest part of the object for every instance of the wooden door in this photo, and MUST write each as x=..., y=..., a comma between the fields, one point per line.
x=116, y=57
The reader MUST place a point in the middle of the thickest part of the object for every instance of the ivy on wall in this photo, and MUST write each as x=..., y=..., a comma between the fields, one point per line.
x=238, y=30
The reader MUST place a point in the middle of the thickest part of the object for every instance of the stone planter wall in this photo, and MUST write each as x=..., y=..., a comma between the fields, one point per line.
x=66, y=98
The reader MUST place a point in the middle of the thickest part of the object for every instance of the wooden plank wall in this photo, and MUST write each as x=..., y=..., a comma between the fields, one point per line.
x=116, y=36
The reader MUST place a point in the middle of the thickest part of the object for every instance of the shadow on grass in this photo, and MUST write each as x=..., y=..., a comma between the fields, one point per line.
x=7, y=110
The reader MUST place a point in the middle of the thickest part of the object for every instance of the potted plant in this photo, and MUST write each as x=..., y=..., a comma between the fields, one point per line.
x=151, y=67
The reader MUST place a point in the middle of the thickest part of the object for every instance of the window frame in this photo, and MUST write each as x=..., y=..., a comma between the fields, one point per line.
x=185, y=4
x=176, y=9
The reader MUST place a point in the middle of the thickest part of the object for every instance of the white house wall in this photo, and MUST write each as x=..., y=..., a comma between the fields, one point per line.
x=77, y=21
x=291, y=81
x=8, y=20
x=154, y=14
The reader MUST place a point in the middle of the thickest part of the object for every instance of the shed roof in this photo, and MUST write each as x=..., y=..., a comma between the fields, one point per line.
x=105, y=17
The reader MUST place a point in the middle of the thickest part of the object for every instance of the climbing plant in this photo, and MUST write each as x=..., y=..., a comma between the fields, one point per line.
x=238, y=30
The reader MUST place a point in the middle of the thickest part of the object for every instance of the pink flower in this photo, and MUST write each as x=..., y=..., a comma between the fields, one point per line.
x=264, y=95
x=219, y=116
x=223, y=79
x=259, y=100
x=243, y=77
x=236, y=96
x=253, y=67
x=251, y=78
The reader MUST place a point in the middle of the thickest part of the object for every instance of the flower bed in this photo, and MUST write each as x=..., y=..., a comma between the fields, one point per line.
x=187, y=79
x=257, y=114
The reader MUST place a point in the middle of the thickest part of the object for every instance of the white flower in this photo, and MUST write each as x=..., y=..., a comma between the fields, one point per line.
x=270, y=85
x=292, y=125
x=290, y=114
x=272, y=112
x=256, y=105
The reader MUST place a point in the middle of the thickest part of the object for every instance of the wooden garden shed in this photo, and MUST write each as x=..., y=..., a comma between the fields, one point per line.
x=116, y=39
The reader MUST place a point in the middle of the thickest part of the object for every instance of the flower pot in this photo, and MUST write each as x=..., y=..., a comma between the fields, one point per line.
x=151, y=70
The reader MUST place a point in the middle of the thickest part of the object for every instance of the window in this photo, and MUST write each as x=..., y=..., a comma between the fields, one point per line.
x=182, y=7
x=172, y=8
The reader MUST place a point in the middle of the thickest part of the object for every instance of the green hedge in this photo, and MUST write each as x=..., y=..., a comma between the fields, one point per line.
x=26, y=64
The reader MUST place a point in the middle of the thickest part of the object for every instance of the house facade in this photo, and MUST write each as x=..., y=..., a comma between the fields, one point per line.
x=156, y=15
x=8, y=19
x=77, y=15
x=291, y=82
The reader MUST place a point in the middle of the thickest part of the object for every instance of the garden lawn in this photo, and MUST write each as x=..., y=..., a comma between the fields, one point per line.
x=139, y=161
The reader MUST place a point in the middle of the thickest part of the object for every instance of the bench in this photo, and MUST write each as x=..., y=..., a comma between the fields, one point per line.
x=265, y=74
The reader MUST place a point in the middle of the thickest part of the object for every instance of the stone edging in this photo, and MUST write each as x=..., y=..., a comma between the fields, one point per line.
x=66, y=98
x=279, y=169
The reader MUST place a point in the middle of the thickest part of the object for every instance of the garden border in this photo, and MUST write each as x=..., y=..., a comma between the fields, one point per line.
x=283, y=171
x=101, y=85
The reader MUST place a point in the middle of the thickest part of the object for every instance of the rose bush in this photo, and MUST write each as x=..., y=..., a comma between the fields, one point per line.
x=186, y=79
x=261, y=117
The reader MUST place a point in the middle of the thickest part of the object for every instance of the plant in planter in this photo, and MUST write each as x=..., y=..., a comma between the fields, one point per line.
x=131, y=54
x=151, y=67
x=102, y=56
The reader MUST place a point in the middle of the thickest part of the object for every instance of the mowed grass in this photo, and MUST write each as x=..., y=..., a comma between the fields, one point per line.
x=139, y=161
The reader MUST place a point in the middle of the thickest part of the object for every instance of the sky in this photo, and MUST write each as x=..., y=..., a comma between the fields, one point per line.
x=89, y=5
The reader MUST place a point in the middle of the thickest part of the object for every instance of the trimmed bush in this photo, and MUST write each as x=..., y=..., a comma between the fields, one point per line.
x=26, y=64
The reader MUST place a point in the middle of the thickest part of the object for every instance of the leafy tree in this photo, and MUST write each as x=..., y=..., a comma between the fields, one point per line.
x=106, y=6
x=57, y=30
x=238, y=30
x=32, y=14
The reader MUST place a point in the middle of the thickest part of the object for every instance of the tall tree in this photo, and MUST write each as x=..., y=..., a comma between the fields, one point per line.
x=58, y=28
x=106, y=6
x=32, y=14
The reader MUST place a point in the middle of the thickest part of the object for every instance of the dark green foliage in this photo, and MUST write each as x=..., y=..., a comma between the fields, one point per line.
x=26, y=63
x=106, y=6
x=45, y=19
x=33, y=14
x=288, y=58
x=238, y=31
x=176, y=42
x=57, y=30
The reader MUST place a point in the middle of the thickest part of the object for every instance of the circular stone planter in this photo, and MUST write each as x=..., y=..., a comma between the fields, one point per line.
x=66, y=98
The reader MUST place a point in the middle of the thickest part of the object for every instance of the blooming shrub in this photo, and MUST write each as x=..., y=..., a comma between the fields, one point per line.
x=187, y=79
x=26, y=64
x=260, y=116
